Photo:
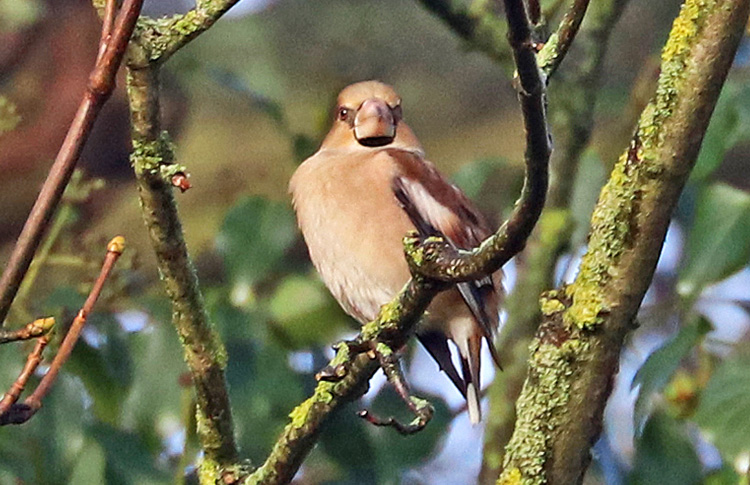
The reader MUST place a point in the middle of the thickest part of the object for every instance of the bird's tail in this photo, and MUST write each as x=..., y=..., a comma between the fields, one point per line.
x=470, y=355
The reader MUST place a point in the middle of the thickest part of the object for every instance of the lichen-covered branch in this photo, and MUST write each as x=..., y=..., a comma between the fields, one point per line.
x=557, y=45
x=156, y=40
x=572, y=122
x=157, y=173
x=575, y=352
x=153, y=162
x=395, y=324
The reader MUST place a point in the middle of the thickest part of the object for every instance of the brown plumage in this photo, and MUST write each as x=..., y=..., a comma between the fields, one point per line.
x=358, y=196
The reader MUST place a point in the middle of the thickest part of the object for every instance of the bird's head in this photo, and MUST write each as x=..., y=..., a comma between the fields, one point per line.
x=369, y=114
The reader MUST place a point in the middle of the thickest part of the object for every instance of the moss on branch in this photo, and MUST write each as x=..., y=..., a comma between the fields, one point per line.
x=152, y=159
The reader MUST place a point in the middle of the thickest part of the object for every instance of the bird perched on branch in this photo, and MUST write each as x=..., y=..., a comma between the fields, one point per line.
x=358, y=196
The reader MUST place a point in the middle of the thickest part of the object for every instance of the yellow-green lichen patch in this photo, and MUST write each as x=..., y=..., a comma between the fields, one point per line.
x=155, y=157
x=550, y=370
x=510, y=477
x=550, y=305
x=300, y=413
x=209, y=471
x=612, y=223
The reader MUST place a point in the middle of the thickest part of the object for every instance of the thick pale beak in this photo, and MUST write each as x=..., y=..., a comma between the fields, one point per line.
x=374, y=124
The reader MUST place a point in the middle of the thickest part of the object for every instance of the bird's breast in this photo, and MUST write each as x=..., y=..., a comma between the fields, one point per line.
x=353, y=227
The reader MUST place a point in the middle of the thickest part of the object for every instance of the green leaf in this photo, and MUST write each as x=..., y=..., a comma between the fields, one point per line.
x=720, y=136
x=106, y=368
x=471, y=177
x=254, y=237
x=664, y=455
x=155, y=396
x=719, y=241
x=659, y=367
x=306, y=312
x=129, y=460
x=724, y=409
x=91, y=465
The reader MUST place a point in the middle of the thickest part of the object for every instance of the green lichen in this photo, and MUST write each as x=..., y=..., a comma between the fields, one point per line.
x=383, y=349
x=613, y=220
x=159, y=35
x=550, y=368
x=300, y=413
x=156, y=157
x=550, y=305
x=511, y=477
x=209, y=471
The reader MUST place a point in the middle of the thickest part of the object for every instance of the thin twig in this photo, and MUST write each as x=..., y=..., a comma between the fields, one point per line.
x=100, y=86
x=438, y=260
x=20, y=414
x=35, y=329
x=557, y=46
x=32, y=362
x=108, y=20
x=160, y=38
x=535, y=12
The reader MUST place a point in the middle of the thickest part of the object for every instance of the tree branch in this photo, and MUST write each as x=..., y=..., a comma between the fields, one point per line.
x=35, y=329
x=153, y=162
x=157, y=39
x=557, y=45
x=576, y=349
x=572, y=122
x=101, y=84
x=18, y=414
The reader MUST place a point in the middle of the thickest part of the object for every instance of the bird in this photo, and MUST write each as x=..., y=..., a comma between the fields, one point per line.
x=356, y=198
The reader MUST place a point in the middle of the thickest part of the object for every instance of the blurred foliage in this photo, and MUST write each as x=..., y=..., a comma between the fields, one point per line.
x=665, y=455
x=260, y=89
x=661, y=365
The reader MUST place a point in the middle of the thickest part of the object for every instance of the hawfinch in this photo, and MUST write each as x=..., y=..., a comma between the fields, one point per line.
x=358, y=196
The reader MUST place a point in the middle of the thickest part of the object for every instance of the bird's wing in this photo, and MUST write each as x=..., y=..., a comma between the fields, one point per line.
x=437, y=207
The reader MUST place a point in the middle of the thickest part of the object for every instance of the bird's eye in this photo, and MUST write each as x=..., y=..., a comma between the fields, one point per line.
x=343, y=113
x=397, y=113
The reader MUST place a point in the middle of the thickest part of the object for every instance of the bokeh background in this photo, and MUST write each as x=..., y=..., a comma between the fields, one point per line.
x=245, y=104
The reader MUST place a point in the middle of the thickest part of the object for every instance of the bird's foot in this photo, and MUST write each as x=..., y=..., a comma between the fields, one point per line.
x=334, y=373
x=331, y=373
x=389, y=361
x=416, y=425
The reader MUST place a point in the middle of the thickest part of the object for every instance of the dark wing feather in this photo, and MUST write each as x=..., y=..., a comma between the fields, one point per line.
x=437, y=345
x=468, y=234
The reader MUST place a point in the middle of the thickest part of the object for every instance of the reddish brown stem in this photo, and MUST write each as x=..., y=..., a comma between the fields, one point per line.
x=32, y=362
x=21, y=414
x=101, y=84
x=108, y=20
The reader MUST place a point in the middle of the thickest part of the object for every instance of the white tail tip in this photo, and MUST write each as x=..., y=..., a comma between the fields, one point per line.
x=472, y=401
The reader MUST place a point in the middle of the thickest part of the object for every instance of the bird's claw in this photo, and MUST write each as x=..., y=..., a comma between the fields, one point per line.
x=416, y=425
x=331, y=373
